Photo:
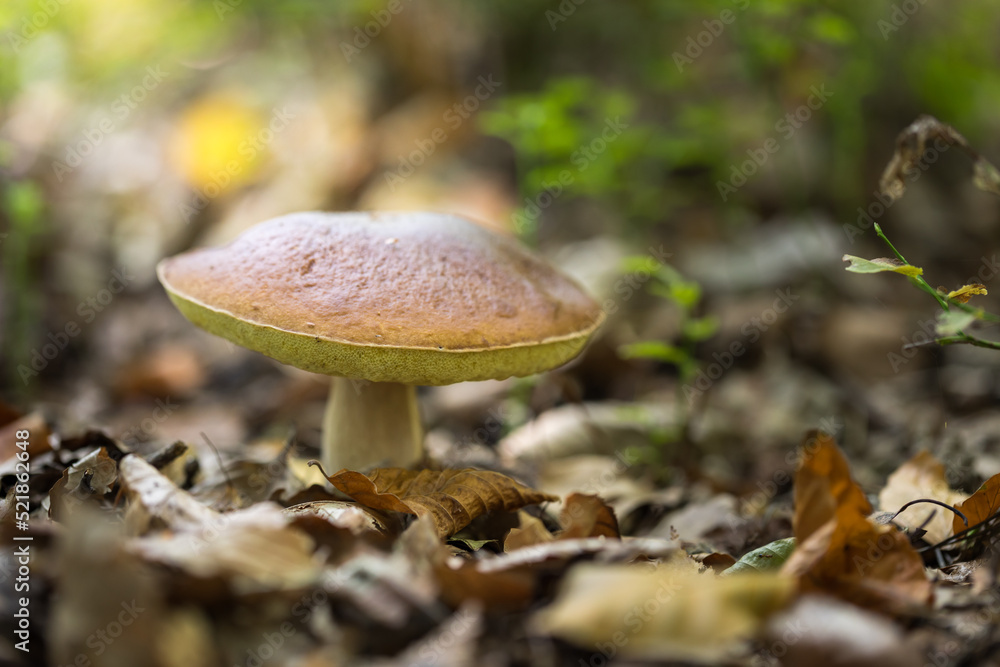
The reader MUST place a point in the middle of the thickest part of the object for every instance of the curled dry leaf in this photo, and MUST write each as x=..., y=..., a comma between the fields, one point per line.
x=923, y=476
x=847, y=555
x=910, y=146
x=351, y=516
x=980, y=506
x=452, y=498
x=587, y=516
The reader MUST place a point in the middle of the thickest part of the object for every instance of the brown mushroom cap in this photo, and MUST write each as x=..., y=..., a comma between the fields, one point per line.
x=416, y=298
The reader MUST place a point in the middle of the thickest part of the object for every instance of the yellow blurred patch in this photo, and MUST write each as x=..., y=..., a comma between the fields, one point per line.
x=215, y=144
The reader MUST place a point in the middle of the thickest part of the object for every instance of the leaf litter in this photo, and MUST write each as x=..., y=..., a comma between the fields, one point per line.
x=435, y=566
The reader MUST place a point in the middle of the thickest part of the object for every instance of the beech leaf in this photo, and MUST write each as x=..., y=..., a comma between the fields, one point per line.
x=980, y=506
x=923, y=476
x=823, y=486
x=451, y=498
x=848, y=556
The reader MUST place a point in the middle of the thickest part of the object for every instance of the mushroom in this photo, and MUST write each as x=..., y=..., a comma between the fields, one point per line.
x=383, y=302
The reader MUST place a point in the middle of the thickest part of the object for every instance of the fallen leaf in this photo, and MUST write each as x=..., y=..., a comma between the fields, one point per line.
x=350, y=516
x=719, y=562
x=254, y=549
x=558, y=553
x=155, y=496
x=980, y=506
x=824, y=631
x=765, y=559
x=880, y=264
x=530, y=532
x=90, y=477
x=823, y=486
x=923, y=476
x=587, y=516
x=666, y=612
x=848, y=556
x=966, y=292
x=453, y=498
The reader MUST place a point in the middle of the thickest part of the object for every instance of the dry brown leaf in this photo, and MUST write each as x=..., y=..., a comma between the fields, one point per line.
x=871, y=566
x=153, y=495
x=719, y=562
x=254, y=549
x=910, y=146
x=349, y=516
x=452, y=498
x=90, y=477
x=848, y=556
x=587, y=516
x=980, y=506
x=823, y=486
x=923, y=476
x=530, y=532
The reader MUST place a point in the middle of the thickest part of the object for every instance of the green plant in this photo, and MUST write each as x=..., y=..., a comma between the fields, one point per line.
x=685, y=297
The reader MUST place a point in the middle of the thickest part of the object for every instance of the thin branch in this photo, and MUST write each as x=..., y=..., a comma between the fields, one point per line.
x=918, y=281
x=934, y=502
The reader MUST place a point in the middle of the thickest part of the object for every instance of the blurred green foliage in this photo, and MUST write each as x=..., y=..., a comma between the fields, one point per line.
x=707, y=80
x=643, y=107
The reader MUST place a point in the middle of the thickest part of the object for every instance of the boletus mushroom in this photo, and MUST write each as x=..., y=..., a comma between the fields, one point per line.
x=383, y=302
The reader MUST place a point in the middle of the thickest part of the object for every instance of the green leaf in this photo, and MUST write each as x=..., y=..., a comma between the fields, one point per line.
x=880, y=264
x=768, y=558
x=654, y=350
x=685, y=293
x=952, y=322
x=640, y=264
x=701, y=328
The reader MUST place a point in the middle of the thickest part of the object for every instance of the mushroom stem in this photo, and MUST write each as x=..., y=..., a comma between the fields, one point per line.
x=371, y=424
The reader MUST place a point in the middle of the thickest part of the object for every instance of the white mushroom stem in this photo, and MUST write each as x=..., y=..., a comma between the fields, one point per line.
x=371, y=424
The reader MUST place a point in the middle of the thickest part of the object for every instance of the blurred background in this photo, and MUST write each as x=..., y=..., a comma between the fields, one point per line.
x=701, y=166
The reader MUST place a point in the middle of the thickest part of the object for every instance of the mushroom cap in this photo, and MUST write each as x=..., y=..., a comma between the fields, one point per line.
x=415, y=298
